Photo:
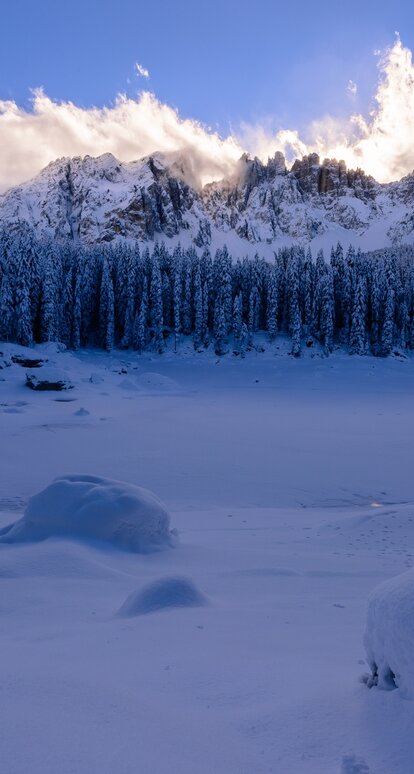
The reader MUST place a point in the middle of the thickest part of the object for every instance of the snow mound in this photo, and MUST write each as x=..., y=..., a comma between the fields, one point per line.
x=351, y=764
x=165, y=593
x=54, y=560
x=96, y=378
x=48, y=379
x=157, y=382
x=94, y=508
x=389, y=635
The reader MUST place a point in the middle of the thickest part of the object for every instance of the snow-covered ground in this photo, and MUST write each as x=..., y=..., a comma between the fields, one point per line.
x=240, y=649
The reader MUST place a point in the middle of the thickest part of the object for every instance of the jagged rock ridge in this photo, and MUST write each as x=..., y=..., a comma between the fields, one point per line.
x=91, y=200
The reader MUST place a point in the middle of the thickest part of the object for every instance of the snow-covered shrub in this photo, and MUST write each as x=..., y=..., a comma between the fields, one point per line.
x=94, y=508
x=164, y=593
x=389, y=635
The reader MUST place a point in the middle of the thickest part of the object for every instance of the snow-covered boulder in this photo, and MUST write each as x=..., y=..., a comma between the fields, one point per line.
x=48, y=379
x=94, y=509
x=4, y=362
x=28, y=362
x=165, y=593
x=389, y=635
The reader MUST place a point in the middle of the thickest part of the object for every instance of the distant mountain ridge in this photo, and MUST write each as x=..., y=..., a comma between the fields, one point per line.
x=261, y=207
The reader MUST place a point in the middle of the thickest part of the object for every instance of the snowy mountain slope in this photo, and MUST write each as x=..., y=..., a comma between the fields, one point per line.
x=262, y=206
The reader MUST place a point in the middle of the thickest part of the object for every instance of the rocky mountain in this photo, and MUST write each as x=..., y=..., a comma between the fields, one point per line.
x=262, y=206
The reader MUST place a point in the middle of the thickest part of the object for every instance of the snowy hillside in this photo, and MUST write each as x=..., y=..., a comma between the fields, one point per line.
x=262, y=206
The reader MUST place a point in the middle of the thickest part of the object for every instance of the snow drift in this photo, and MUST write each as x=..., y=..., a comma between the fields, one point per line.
x=170, y=592
x=389, y=636
x=94, y=508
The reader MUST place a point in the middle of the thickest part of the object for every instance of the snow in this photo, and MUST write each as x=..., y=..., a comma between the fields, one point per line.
x=389, y=636
x=100, y=199
x=94, y=508
x=48, y=378
x=163, y=594
x=290, y=484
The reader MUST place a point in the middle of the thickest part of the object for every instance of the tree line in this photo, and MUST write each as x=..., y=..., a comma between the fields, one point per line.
x=135, y=297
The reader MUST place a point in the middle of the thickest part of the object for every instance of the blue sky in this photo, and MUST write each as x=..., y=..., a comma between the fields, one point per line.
x=221, y=62
x=226, y=77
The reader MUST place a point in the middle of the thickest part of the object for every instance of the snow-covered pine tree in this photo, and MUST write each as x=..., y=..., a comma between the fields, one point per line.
x=237, y=322
x=340, y=292
x=272, y=303
x=6, y=308
x=23, y=315
x=66, y=307
x=198, y=309
x=358, y=321
x=387, y=333
x=206, y=314
x=156, y=305
x=294, y=312
x=220, y=326
x=187, y=305
x=140, y=333
x=106, y=307
x=177, y=294
x=327, y=309
x=49, y=311
x=308, y=290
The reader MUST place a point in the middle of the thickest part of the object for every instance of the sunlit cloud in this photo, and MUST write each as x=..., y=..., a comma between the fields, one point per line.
x=130, y=129
x=352, y=87
x=141, y=71
x=381, y=142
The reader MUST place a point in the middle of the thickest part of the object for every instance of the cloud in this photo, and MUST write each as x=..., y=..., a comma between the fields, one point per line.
x=380, y=143
x=352, y=88
x=130, y=129
x=141, y=71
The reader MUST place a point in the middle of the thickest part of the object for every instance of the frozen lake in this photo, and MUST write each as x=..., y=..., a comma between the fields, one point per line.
x=290, y=484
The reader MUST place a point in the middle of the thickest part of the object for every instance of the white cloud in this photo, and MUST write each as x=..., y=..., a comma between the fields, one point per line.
x=129, y=129
x=381, y=144
x=352, y=87
x=141, y=71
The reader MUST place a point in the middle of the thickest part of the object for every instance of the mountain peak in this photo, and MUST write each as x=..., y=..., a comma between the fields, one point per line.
x=102, y=199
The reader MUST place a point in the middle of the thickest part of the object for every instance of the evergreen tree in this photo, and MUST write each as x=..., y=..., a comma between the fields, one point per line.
x=237, y=322
x=359, y=311
x=23, y=317
x=65, y=332
x=198, y=310
x=387, y=334
x=272, y=304
x=156, y=306
x=327, y=309
x=141, y=321
x=220, y=326
x=6, y=309
x=106, y=309
x=49, y=310
x=177, y=295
